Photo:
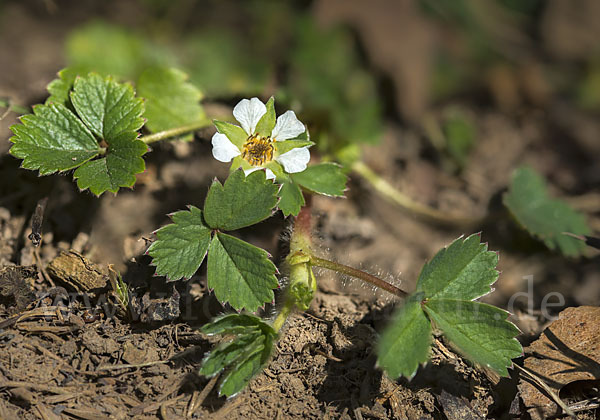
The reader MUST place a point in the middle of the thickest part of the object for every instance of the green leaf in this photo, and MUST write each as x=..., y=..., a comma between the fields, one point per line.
x=240, y=273
x=235, y=133
x=117, y=169
x=239, y=376
x=234, y=324
x=170, y=101
x=108, y=108
x=266, y=124
x=181, y=246
x=406, y=342
x=544, y=217
x=225, y=65
x=244, y=356
x=52, y=139
x=229, y=352
x=464, y=270
x=291, y=198
x=478, y=331
x=325, y=178
x=106, y=49
x=60, y=88
x=287, y=145
x=241, y=202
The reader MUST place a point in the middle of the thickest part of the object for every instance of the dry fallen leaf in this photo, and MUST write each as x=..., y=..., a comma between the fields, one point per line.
x=567, y=351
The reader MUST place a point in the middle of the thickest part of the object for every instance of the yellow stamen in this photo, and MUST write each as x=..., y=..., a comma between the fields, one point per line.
x=257, y=150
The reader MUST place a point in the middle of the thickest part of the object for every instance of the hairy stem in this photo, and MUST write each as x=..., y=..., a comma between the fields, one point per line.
x=283, y=314
x=397, y=197
x=175, y=132
x=353, y=272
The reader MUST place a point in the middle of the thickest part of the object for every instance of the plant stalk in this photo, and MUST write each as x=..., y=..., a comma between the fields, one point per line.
x=359, y=274
x=175, y=132
x=283, y=314
x=405, y=202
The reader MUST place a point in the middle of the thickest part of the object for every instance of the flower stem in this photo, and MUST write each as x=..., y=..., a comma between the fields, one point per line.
x=283, y=314
x=353, y=272
x=397, y=197
x=175, y=132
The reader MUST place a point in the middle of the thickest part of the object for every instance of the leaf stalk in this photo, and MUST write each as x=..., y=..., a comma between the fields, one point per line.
x=175, y=132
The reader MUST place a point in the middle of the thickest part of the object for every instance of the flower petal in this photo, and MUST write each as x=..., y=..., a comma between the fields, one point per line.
x=223, y=149
x=249, y=112
x=295, y=160
x=269, y=173
x=288, y=127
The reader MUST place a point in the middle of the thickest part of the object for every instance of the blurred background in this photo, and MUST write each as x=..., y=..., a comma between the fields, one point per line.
x=442, y=98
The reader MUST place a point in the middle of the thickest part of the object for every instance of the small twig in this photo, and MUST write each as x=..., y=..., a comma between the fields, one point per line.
x=546, y=388
x=199, y=397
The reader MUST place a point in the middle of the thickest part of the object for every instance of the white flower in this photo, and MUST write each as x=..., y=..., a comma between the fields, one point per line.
x=257, y=150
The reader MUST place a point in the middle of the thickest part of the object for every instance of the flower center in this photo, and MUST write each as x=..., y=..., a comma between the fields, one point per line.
x=258, y=150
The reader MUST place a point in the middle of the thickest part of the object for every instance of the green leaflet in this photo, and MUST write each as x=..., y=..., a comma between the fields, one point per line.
x=60, y=88
x=242, y=201
x=52, y=139
x=544, y=217
x=227, y=353
x=123, y=160
x=406, y=342
x=323, y=178
x=463, y=270
x=477, y=330
x=181, y=246
x=108, y=108
x=240, y=273
x=291, y=198
x=170, y=100
x=242, y=357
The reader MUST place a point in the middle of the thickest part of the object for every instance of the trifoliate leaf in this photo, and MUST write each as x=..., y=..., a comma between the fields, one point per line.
x=108, y=108
x=477, y=330
x=52, y=139
x=544, y=217
x=170, y=100
x=240, y=273
x=117, y=169
x=291, y=198
x=241, y=202
x=266, y=124
x=464, y=270
x=60, y=88
x=235, y=133
x=325, y=178
x=244, y=356
x=406, y=342
x=181, y=246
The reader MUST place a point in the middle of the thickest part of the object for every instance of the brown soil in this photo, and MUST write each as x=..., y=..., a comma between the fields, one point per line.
x=66, y=359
